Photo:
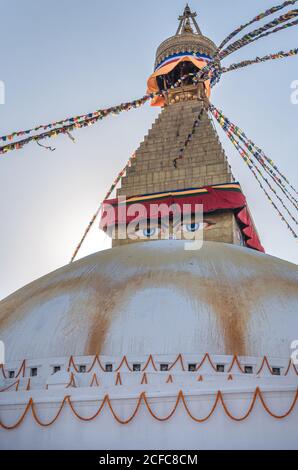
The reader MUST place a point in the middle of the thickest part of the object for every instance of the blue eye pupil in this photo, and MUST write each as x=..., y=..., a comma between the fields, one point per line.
x=192, y=227
x=149, y=232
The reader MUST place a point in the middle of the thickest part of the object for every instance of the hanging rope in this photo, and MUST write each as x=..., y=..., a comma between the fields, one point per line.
x=100, y=113
x=142, y=398
x=217, y=73
x=67, y=125
x=258, y=33
x=276, y=30
x=71, y=124
x=195, y=126
x=214, y=65
x=258, y=154
x=259, y=60
x=253, y=168
x=259, y=17
x=9, y=387
x=252, y=147
x=272, y=189
x=94, y=217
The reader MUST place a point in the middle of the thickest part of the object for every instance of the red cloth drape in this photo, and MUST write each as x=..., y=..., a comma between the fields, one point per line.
x=156, y=206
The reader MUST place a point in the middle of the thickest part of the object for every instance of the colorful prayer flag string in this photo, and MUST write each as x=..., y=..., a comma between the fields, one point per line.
x=70, y=124
x=66, y=125
x=258, y=60
x=257, y=18
x=252, y=147
x=100, y=113
x=249, y=161
x=214, y=67
x=190, y=136
x=258, y=33
x=96, y=214
x=275, y=30
x=259, y=155
x=91, y=118
x=254, y=169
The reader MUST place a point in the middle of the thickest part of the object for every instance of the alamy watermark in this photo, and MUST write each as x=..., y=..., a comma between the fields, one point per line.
x=2, y=92
x=156, y=221
x=294, y=94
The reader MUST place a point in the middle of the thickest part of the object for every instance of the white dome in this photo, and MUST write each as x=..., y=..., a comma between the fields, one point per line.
x=156, y=297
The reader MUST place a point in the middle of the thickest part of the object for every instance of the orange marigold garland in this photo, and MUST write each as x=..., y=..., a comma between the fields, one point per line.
x=106, y=401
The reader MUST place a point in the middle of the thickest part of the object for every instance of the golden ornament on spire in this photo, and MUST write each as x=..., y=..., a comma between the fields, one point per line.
x=185, y=22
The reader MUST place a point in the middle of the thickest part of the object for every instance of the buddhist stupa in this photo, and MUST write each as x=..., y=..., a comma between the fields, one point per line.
x=160, y=345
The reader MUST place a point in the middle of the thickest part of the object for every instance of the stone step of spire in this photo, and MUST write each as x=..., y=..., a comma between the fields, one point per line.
x=163, y=162
x=204, y=161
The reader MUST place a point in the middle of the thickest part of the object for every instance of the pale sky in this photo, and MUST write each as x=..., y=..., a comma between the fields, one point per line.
x=68, y=57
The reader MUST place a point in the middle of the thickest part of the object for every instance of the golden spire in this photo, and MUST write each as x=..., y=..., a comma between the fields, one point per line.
x=185, y=22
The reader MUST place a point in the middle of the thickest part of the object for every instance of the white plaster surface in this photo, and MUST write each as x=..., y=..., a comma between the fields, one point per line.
x=156, y=297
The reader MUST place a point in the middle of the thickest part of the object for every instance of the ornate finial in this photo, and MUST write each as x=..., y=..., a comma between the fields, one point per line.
x=187, y=27
x=185, y=22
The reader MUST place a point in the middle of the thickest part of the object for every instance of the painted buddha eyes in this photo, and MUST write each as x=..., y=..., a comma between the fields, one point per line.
x=148, y=232
x=192, y=227
x=164, y=230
